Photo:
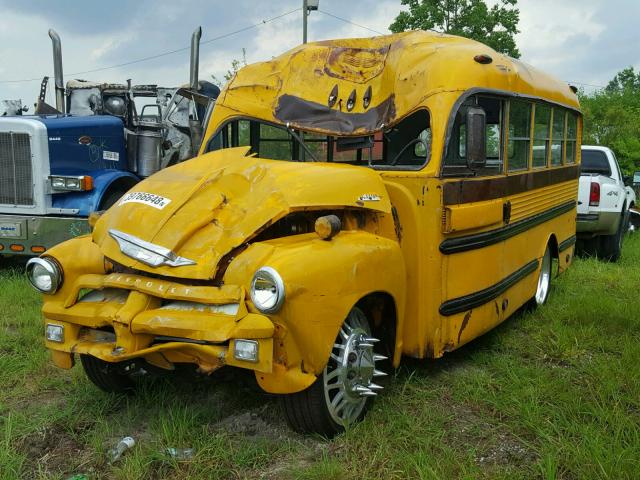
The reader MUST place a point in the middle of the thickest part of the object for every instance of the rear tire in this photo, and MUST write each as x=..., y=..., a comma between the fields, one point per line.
x=342, y=394
x=543, y=287
x=610, y=246
x=106, y=376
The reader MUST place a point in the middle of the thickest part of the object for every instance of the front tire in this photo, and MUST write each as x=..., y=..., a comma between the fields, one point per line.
x=342, y=394
x=106, y=376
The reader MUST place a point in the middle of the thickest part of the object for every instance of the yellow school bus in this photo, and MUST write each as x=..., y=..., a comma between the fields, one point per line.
x=354, y=201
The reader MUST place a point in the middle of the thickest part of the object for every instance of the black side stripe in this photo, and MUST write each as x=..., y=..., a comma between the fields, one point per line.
x=567, y=243
x=473, y=300
x=484, y=239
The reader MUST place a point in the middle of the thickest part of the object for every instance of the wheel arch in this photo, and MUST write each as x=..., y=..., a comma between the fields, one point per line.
x=381, y=309
x=117, y=184
x=552, y=242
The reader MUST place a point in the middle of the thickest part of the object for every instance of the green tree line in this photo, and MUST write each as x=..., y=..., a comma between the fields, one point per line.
x=612, y=118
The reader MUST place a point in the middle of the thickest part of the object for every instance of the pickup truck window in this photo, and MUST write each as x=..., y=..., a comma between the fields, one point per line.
x=595, y=161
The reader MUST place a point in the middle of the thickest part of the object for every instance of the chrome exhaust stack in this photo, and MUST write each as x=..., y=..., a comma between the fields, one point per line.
x=195, y=59
x=57, y=70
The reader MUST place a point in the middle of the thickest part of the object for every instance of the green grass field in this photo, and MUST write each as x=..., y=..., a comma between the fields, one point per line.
x=549, y=394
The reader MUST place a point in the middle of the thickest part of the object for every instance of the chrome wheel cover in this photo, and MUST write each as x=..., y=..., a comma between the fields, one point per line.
x=348, y=376
x=544, y=280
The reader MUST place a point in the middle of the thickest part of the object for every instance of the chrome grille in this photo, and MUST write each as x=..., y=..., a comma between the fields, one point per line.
x=16, y=178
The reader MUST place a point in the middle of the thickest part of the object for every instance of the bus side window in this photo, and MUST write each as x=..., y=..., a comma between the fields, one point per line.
x=557, y=136
x=541, y=130
x=519, y=133
x=572, y=128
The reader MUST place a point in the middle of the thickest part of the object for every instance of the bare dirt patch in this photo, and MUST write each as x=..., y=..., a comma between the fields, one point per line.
x=266, y=423
x=493, y=443
x=55, y=449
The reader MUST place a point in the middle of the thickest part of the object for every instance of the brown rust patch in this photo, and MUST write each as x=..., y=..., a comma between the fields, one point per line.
x=465, y=322
x=356, y=64
x=472, y=190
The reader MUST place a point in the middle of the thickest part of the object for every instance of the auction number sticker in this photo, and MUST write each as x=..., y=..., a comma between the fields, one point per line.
x=108, y=155
x=155, y=201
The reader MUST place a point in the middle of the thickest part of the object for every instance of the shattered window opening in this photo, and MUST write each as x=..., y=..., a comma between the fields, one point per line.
x=405, y=144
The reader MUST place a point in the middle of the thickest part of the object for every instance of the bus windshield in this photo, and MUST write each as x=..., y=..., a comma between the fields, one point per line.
x=407, y=144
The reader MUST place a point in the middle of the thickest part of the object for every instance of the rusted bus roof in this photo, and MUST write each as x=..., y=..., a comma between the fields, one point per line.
x=400, y=71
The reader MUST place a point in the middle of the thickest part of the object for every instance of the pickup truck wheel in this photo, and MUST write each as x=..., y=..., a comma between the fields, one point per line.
x=610, y=246
x=344, y=391
x=106, y=376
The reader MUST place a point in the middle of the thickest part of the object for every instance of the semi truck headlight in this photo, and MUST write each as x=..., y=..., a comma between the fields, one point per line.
x=44, y=274
x=267, y=290
x=63, y=183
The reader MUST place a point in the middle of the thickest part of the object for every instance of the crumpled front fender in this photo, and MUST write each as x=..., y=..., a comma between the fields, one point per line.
x=323, y=281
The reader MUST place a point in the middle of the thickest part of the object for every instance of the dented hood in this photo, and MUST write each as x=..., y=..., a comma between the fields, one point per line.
x=202, y=209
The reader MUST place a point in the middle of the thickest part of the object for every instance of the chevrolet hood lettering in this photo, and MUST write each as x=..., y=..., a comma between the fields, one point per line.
x=219, y=201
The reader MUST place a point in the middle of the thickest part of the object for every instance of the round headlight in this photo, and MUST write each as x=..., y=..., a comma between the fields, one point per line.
x=44, y=274
x=267, y=290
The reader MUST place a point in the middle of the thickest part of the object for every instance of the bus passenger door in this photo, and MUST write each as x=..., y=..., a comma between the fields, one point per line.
x=473, y=210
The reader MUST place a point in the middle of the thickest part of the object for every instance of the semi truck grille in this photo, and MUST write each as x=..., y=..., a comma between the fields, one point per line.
x=16, y=178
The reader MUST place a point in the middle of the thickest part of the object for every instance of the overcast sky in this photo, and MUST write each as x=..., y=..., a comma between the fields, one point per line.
x=585, y=41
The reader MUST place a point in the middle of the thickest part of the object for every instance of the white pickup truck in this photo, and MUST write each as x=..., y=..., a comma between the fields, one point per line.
x=603, y=203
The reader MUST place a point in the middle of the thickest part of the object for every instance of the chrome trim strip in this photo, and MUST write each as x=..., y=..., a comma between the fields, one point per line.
x=147, y=252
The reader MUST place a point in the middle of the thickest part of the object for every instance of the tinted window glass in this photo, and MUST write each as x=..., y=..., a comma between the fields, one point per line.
x=519, y=134
x=557, y=136
x=541, y=135
x=595, y=161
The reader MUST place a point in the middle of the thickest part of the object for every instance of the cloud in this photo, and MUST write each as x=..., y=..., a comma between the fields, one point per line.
x=580, y=40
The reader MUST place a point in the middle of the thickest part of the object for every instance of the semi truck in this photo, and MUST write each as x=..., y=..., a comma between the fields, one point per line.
x=58, y=166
